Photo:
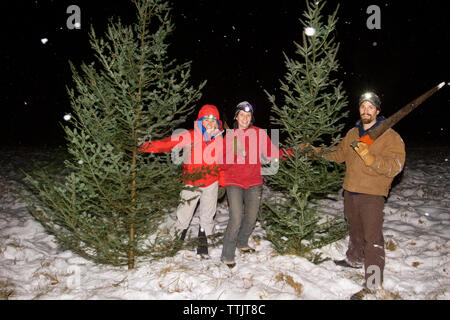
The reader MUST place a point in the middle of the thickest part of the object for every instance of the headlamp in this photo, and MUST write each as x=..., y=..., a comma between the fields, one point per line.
x=372, y=98
x=210, y=116
x=245, y=106
x=367, y=95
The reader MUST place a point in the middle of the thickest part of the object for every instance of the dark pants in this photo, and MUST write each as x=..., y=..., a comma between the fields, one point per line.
x=364, y=215
x=244, y=207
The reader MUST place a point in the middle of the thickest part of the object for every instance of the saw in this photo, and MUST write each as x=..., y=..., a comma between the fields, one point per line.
x=374, y=133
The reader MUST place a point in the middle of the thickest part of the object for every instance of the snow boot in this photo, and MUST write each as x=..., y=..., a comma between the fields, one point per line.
x=348, y=264
x=247, y=250
x=229, y=264
x=361, y=294
x=202, y=248
x=183, y=235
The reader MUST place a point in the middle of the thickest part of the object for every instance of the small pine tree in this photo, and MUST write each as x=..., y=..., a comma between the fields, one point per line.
x=110, y=206
x=311, y=113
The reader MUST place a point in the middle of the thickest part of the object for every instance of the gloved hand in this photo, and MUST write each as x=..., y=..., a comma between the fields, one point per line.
x=362, y=150
x=304, y=145
x=315, y=150
x=221, y=193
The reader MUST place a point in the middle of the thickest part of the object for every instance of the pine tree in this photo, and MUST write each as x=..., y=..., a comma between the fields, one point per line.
x=110, y=206
x=311, y=112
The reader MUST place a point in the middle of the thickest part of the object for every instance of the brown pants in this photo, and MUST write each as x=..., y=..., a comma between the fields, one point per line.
x=364, y=215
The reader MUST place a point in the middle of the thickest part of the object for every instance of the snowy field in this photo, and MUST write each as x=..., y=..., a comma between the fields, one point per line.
x=416, y=229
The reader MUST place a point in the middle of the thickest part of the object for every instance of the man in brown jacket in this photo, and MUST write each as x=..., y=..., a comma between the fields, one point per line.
x=368, y=177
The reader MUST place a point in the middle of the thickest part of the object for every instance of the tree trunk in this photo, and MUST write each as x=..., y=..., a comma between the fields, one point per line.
x=133, y=199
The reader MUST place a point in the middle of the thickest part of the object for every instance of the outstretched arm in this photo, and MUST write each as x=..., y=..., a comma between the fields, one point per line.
x=166, y=144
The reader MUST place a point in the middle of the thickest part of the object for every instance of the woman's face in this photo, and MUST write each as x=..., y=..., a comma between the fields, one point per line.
x=209, y=124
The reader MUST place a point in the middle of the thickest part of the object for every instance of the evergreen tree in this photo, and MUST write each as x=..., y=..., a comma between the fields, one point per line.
x=311, y=112
x=112, y=202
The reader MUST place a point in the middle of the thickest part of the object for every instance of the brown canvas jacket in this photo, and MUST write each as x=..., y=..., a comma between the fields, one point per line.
x=389, y=152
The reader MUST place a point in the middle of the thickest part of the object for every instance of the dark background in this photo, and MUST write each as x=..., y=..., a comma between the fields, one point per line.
x=238, y=47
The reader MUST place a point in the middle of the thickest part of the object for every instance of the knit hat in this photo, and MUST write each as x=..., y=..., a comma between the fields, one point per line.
x=244, y=106
x=372, y=98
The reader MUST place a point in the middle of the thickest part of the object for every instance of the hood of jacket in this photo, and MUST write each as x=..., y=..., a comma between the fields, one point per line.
x=360, y=127
x=208, y=110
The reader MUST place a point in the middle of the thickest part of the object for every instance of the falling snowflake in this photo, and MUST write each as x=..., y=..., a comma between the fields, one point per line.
x=67, y=117
x=44, y=40
x=80, y=161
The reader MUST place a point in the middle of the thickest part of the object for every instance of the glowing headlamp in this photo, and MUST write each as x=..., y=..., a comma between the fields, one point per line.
x=245, y=106
x=367, y=95
x=372, y=98
x=210, y=116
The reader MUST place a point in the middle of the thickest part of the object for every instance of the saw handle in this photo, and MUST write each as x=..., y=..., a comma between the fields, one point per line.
x=365, y=138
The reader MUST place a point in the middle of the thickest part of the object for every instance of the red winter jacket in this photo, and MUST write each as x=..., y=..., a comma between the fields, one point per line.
x=242, y=164
x=200, y=152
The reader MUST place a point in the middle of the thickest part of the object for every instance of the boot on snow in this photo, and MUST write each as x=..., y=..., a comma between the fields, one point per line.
x=364, y=294
x=348, y=264
x=183, y=235
x=202, y=248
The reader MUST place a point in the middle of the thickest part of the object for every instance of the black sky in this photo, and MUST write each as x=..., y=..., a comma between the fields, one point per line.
x=238, y=47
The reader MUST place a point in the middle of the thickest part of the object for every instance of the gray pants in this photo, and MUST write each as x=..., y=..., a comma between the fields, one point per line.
x=244, y=206
x=207, y=207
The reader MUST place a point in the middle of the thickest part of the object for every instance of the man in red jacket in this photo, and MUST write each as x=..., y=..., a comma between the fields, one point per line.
x=201, y=173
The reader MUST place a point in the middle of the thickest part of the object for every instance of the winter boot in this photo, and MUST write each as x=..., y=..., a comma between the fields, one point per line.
x=202, y=248
x=362, y=294
x=348, y=264
x=183, y=235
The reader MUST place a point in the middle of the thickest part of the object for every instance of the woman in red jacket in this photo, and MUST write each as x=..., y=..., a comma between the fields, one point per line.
x=243, y=147
x=202, y=148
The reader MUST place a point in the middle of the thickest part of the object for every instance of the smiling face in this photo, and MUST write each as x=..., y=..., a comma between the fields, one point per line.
x=368, y=113
x=244, y=119
x=210, y=124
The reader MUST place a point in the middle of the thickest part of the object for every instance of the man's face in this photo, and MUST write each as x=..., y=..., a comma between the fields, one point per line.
x=368, y=112
x=244, y=118
x=209, y=124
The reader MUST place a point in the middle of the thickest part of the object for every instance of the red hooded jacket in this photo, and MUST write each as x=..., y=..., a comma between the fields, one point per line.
x=242, y=159
x=200, y=151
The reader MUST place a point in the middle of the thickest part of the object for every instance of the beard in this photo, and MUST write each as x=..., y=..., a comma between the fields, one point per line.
x=368, y=119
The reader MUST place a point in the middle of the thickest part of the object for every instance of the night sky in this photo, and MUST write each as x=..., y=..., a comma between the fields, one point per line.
x=238, y=47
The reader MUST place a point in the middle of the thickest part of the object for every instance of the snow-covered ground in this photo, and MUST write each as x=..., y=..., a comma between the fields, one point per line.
x=416, y=229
